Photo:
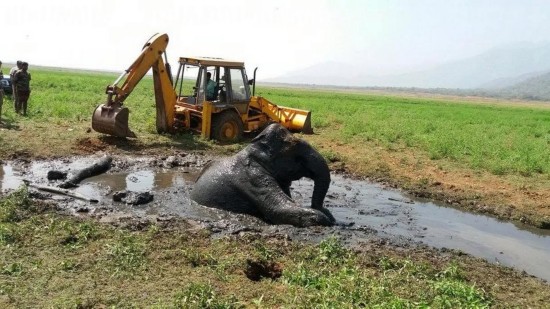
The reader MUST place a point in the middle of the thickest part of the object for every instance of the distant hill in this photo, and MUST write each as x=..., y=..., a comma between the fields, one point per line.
x=534, y=88
x=327, y=73
x=496, y=68
x=509, y=81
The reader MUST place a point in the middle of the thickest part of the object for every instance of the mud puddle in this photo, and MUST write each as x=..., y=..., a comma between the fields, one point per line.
x=364, y=210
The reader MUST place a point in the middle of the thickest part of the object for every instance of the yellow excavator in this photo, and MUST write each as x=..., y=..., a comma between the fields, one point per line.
x=210, y=95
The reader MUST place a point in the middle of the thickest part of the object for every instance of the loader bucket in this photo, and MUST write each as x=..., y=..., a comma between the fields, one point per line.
x=112, y=120
x=296, y=120
x=306, y=124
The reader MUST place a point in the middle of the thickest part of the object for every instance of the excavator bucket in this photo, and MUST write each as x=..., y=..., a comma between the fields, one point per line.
x=112, y=120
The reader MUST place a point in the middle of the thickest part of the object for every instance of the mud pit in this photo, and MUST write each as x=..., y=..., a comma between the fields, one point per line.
x=365, y=211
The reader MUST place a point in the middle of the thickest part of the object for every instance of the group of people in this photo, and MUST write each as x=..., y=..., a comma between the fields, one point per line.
x=20, y=81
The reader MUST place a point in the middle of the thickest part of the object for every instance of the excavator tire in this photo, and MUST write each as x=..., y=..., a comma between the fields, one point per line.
x=227, y=127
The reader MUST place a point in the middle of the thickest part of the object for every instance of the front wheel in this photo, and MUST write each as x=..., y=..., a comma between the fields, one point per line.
x=227, y=127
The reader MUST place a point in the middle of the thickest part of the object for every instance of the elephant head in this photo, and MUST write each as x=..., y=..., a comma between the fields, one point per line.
x=288, y=158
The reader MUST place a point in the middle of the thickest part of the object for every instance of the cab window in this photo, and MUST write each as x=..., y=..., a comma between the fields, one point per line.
x=238, y=90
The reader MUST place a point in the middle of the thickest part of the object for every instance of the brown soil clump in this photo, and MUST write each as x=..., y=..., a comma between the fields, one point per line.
x=256, y=270
x=90, y=145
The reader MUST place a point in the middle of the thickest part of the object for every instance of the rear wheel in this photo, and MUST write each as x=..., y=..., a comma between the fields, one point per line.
x=227, y=127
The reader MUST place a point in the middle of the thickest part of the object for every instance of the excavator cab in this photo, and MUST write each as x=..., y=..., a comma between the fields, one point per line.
x=215, y=98
x=207, y=79
x=219, y=87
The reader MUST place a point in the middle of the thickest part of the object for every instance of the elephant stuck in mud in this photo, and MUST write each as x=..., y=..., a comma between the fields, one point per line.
x=257, y=180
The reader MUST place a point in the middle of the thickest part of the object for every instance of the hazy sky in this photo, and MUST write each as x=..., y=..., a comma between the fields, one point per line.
x=381, y=36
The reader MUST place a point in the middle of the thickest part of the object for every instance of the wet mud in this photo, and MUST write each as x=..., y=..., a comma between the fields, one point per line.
x=365, y=211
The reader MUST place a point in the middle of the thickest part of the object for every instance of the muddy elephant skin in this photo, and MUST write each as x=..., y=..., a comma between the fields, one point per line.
x=257, y=180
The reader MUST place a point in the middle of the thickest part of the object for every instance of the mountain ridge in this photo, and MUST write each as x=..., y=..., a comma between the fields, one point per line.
x=496, y=68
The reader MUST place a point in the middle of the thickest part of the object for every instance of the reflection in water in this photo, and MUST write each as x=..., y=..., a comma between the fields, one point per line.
x=140, y=181
x=8, y=178
x=1, y=176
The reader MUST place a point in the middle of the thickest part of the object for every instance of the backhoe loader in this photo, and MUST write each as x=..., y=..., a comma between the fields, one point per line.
x=222, y=110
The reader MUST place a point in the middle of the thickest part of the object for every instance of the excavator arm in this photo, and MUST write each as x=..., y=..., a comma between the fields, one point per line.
x=112, y=118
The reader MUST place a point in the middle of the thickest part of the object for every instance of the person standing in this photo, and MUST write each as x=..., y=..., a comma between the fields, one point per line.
x=210, y=87
x=1, y=91
x=14, y=70
x=22, y=85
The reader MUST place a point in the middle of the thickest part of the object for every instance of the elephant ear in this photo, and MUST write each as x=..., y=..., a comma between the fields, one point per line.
x=270, y=142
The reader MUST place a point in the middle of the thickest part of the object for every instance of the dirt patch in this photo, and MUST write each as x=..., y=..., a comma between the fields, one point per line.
x=257, y=270
x=90, y=145
x=24, y=156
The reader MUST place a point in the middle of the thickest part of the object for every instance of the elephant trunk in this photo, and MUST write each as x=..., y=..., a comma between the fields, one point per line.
x=320, y=174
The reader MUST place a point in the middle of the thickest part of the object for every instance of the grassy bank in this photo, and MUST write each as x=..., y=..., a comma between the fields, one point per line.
x=48, y=260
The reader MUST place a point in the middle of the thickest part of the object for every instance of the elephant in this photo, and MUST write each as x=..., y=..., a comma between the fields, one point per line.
x=257, y=180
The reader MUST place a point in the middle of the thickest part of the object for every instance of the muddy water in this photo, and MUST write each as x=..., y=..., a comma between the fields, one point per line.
x=391, y=213
x=365, y=210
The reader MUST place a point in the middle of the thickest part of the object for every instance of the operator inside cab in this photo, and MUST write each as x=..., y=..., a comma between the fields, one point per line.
x=211, y=91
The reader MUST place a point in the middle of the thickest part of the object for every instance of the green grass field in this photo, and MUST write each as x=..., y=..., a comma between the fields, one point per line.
x=498, y=139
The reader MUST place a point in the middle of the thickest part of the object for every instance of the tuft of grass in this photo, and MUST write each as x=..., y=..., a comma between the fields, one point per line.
x=197, y=258
x=14, y=206
x=265, y=253
x=127, y=254
x=200, y=295
x=12, y=269
x=458, y=294
x=336, y=280
x=8, y=234
x=75, y=236
x=331, y=156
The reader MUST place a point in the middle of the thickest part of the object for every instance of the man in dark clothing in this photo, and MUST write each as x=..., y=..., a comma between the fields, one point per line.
x=1, y=92
x=22, y=81
x=14, y=70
